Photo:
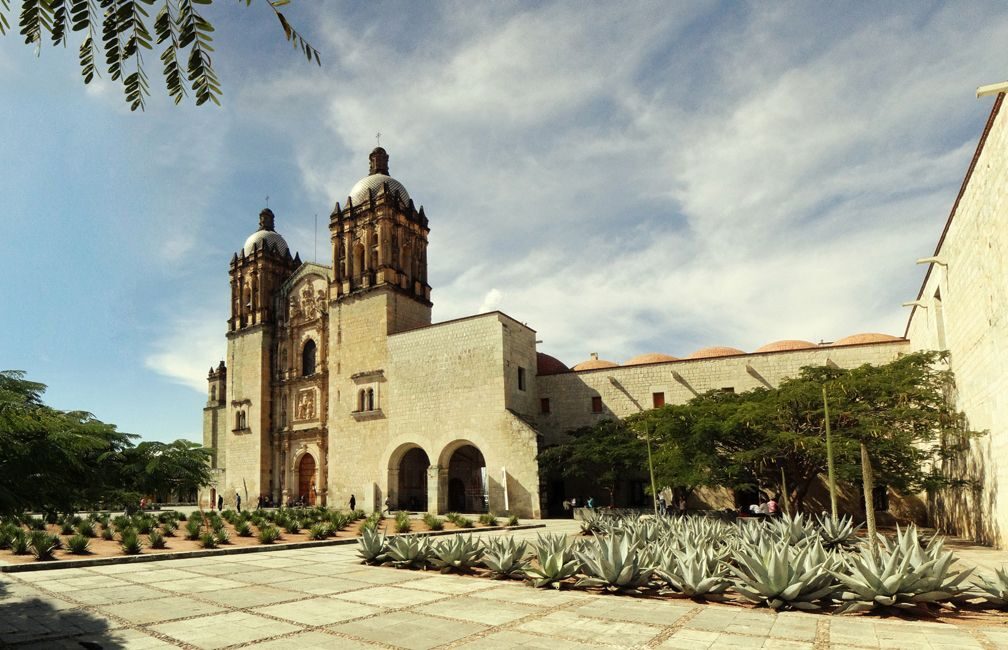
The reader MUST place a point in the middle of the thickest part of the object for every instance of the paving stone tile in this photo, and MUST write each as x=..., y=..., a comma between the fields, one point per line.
x=198, y=584
x=161, y=609
x=108, y=595
x=528, y=596
x=315, y=640
x=619, y=608
x=450, y=584
x=319, y=611
x=568, y=625
x=996, y=636
x=287, y=562
x=221, y=630
x=83, y=582
x=408, y=630
x=262, y=576
x=250, y=596
x=487, y=612
x=391, y=597
x=160, y=574
x=323, y=585
x=383, y=576
x=53, y=574
x=515, y=639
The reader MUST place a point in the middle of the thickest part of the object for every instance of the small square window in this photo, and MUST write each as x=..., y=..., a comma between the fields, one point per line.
x=658, y=399
x=596, y=404
x=521, y=378
x=728, y=389
x=544, y=406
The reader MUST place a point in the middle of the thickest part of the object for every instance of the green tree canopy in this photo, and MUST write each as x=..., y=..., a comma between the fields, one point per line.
x=57, y=461
x=117, y=32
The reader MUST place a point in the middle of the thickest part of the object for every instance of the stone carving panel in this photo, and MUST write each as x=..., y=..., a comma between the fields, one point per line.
x=305, y=409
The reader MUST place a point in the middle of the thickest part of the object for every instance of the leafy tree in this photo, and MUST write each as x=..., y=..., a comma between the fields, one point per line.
x=119, y=31
x=606, y=452
x=58, y=461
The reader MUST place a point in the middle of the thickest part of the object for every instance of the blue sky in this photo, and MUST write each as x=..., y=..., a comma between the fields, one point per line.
x=657, y=177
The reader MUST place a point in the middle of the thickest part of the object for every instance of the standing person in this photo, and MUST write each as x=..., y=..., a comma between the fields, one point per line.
x=237, y=502
x=682, y=506
x=566, y=507
x=772, y=508
x=220, y=503
x=574, y=507
x=662, y=506
x=388, y=505
x=353, y=503
x=590, y=503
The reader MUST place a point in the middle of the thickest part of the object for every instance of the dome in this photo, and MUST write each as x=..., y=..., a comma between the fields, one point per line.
x=359, y=192
x=594, y=363
x=716, y=351
x=265, y=236
x=868, y=337
x=547, y=365
x=786, y=344
x=268, y=238
x=650, y=357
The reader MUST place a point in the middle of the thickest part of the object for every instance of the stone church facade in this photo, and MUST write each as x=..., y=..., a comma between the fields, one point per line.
x=336, y=381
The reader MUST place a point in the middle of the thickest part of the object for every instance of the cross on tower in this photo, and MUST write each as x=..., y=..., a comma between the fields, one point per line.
x=267, y=200
x=378, y=138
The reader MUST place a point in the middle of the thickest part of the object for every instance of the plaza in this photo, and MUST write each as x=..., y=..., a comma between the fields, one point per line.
x=324, y=597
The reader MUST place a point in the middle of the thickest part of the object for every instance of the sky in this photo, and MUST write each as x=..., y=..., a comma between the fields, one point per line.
x=655, y=177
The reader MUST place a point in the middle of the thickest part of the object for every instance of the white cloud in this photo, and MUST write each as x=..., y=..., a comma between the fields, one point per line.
x=187, y=350
x=491, y=301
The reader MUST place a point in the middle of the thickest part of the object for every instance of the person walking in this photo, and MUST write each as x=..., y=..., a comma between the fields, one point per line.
x=220, y=503
x=237, y=502
x=353, y=503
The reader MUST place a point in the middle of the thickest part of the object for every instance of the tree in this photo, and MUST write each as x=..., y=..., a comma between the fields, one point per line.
x=59, y=461
x=120, y=30
x=607, y=452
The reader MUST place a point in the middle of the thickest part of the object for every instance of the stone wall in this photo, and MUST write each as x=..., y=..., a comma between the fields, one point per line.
x=247, y=450
x=626, y=390
x=965, y=310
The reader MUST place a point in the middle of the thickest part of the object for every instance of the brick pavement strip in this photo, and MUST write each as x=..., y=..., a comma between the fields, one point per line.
x=327, y=599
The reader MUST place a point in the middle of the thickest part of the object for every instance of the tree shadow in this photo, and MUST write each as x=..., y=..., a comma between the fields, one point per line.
x=31, y=619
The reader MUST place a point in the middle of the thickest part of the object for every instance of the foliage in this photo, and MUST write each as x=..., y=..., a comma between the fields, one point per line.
x=268, y=533
x=86, y=528
x=409, y=551
x=208, y=540
x=121, y=32
x=78, y=544
x=607, y=452
x=456, y=553
x=782, y=576
x=129, y=541
x=697, y=573
x=244, y=529
x=995, y=590
x=193, y=528
x=488, y=519
x=433, y=522
x=838, y=533
x=42, y=544
x=614, y=563
x=901, y=574
x=318, y=531
x=222, y=535
x=155, y=539
x=19, y=542
x=505, y=558
x=555, y=563
x=371, y=546
x=513, y=521
x=402, y=522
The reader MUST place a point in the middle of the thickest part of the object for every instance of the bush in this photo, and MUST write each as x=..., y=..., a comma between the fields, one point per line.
x=106, y=533
x=293, y=527
x=42, y=544
x=268, y=534
x=487, y=519
x=7, y=533
x=129, y=540
x=86, y=528
x=318, y=531
x=402, y=522
x=193, y=527
x=207, y=540
x=19, y=543
x=244, y=529
x=513, y=520
x=433, y=522
x=79, y=544
x=222, y=536
x=155, y=539
x=169, y=527
x=145, y=525
x=67, y=528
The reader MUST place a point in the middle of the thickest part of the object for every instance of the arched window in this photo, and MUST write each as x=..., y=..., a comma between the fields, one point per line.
x=213, y=393
x=308, y=359
x=370, y=399
x=361, y=400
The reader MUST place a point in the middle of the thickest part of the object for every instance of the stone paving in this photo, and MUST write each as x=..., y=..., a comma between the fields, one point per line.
x=323, y=598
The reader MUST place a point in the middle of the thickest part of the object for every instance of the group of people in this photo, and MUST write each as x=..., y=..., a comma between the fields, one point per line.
x=669, y=508
x=571, y=505
x=768, y=508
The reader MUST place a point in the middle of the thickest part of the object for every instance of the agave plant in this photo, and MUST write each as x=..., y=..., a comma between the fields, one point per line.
x=783, y=576
x=549, y=544
x=488, y=519
x=42, y=544
x=409, y=551
x=900, y=574
x=67, y=528
x=697, y=573
x=402, y=522
x=505, y=558
x=268, y=533
x=155, y=539
x=794, y=529
x=19, y=542
x=433, y=522
x=995, y=591
x=129, y=541
x=371, y=546
x=614, y=563
x=513, y=521
x=457, y=553
x=554, y=566
x=838, y=534
x=86, y=528
x=591, y=522
x=222, y=536
x=193, y=528
x=78, y=544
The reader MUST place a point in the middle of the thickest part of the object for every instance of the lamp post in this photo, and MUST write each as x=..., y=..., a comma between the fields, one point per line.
x=654, y=491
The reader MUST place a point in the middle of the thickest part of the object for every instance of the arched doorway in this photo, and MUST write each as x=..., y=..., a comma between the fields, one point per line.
x=467, y=484
x=411, y=492
x=306, y=479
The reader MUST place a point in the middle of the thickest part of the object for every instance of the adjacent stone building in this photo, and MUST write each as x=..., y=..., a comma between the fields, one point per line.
x=336, y=382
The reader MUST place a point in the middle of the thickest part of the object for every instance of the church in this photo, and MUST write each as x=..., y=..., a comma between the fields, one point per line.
x=337, y=383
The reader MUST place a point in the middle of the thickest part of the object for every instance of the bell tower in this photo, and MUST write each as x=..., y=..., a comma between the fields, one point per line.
x=379, y=238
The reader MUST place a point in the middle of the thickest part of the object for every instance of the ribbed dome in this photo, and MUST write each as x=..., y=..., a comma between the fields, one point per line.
x=547, y=365
x=594, y=363
x=716, y=351
x=359, y=193
x=868, y=337
x=786, y=344
x=650, y=357
x=269, y=237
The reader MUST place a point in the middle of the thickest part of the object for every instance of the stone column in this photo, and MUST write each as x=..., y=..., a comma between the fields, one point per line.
x=433, y=489
x=392, y=490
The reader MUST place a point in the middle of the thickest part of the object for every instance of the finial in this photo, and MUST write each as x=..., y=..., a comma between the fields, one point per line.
x=378, y=138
